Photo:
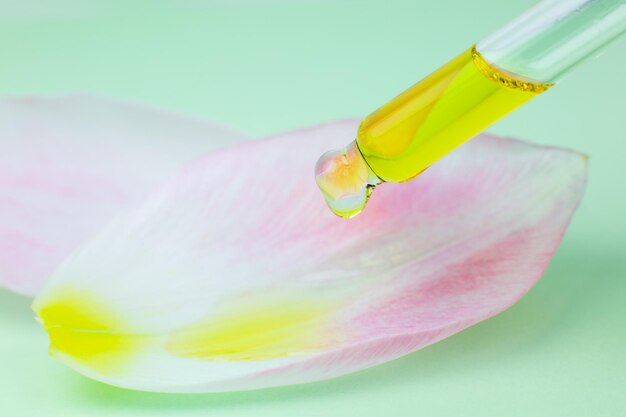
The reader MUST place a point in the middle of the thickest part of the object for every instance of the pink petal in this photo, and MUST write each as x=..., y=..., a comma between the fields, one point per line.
x=67, y=165
x=244, y=233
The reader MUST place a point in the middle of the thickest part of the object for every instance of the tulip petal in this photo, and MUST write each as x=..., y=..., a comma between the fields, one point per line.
x=235, y=275
x=68, y=165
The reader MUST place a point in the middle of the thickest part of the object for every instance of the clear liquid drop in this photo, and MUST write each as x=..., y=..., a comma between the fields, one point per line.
x=345, y=179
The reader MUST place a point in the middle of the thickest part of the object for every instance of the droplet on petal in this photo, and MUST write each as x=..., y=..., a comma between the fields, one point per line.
x=345, y=180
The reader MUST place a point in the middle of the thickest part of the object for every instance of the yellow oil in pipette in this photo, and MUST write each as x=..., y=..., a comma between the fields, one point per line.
x=418, y=127
x=436, y=115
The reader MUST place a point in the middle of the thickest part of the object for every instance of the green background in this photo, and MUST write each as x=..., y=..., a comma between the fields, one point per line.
x=269, y=66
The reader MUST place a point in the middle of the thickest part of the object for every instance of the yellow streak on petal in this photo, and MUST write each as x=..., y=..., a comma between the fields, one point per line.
x=266, y=331
x=84, y=330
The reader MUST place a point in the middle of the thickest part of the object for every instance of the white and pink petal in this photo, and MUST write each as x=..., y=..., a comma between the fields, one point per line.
x=235, y=275
x=69, y=164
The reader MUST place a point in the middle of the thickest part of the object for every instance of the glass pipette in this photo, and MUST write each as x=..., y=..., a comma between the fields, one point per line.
x=459, y=100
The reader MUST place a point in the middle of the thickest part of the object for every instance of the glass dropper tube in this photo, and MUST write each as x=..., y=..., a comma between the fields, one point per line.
x=459, y=100
x=554, y=36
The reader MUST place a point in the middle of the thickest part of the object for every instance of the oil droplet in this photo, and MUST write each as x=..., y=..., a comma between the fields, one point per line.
x=345, y=179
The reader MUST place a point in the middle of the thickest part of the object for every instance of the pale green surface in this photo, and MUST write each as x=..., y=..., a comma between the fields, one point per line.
x=269, y=66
